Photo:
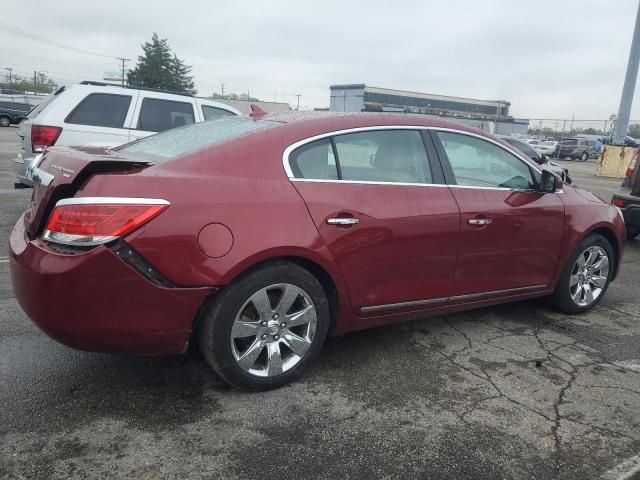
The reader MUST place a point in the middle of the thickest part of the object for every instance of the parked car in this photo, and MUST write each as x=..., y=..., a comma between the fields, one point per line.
x=256, y=237
x=528, y=151
x=575, y=148
x=546, y=148
x=12, y=113
x=628, y=141
x=627, y=197
x=106, y=115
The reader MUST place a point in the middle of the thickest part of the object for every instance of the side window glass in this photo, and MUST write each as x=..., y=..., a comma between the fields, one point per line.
x=314, y=160
x=101, y=110
x=480, y=163
x=158, y=115
x=211, y=113
x=396, y=156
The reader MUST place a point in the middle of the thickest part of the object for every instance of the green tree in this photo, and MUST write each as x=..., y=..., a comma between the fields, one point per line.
x=634, y=130
x=43, y=84
x=159, y=67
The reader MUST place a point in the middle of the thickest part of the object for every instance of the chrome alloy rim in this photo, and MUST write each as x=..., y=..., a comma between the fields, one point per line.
x=273, y=330
x=589, y=276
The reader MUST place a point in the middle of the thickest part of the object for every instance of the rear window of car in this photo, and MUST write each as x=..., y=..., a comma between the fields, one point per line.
x=158, y=115
x=211, y=113
x=567, y=141
x=101, y=110
x=179, y=141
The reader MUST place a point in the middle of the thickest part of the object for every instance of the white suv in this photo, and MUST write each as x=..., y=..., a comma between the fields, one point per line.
x=106, y=115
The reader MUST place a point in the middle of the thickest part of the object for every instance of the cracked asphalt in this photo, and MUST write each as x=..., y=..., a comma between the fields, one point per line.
x=516, y=391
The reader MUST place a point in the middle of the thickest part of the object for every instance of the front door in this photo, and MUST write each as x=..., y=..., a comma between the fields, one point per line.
x=389, y=222
x=511, y=233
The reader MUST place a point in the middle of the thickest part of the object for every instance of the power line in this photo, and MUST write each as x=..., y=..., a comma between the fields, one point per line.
x=32, y=36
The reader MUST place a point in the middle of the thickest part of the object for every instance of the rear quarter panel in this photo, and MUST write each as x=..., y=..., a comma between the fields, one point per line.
x=241, y=185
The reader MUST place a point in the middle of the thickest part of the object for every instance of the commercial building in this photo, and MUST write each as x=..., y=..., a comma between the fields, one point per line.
x=490, y=115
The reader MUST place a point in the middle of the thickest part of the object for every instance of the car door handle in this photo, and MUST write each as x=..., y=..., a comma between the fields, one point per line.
x=479, y=221
x=343, y=221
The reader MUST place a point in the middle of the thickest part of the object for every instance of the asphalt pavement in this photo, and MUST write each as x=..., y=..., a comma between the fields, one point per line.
x=516, y=391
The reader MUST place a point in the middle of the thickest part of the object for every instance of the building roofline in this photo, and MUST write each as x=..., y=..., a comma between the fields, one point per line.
x=438, y=95
x=349, y=85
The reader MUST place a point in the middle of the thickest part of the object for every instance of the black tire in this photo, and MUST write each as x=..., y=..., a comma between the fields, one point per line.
x=561, y=297
x=214, y=331
x=4, y=121
x=632, y=232
x=584, y=156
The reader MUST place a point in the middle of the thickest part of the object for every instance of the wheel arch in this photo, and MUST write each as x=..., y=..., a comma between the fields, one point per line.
x=609, y=234
x=328, y=278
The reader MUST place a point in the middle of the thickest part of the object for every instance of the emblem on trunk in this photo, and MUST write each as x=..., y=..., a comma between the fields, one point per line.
x=63, y=169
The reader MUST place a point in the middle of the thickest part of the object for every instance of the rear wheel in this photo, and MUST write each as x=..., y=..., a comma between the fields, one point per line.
x=586, y=275
x=264, y=330
x=584, y=156
x=5, y=121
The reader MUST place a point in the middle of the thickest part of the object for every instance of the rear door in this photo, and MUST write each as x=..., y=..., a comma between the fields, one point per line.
x=510, y=233
x=157, y=112
x=382, y=209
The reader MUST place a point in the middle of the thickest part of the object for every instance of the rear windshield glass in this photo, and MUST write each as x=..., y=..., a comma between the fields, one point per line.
x=178, y=141
x=569, y=140
x=44, y=103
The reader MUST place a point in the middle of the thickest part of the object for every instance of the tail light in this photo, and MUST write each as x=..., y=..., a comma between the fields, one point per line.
x=632, y=164
x=43, y=136
x=89, y=221
x=618, y=202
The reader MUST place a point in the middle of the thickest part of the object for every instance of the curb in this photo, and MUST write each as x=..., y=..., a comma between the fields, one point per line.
x=627, y=470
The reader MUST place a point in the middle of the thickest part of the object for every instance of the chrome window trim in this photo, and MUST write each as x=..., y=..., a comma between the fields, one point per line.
x=111, y=201
x=469, y=296
x=406, y=184
x=299, y=143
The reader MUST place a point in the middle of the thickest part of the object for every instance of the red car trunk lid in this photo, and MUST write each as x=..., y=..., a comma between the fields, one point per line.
x=60, y=173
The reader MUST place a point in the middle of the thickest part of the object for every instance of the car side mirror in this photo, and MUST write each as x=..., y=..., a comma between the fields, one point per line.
x=549, y=182
x=538, y=159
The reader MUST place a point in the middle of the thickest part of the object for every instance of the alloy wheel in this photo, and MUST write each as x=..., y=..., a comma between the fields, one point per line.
x=589, y=276
x=273, y=330
x=4, y=122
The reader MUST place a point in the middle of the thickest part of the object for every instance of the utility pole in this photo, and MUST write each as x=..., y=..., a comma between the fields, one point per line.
x=123, y=60
x=222, y=89
x=35, y=80
x=622, y=120
x=10, y=70
x=298, y=106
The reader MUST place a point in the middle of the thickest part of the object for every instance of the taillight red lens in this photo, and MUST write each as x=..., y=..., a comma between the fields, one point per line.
x=95, y=223
x=43, y=136
x=618, y=202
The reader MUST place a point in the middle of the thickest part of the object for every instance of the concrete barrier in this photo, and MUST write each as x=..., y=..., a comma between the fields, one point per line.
x=614, y=160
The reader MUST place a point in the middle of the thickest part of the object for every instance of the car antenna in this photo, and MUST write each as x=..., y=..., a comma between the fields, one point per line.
x=256, y=111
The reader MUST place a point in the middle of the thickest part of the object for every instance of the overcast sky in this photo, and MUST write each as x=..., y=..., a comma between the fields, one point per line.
x=554, y=58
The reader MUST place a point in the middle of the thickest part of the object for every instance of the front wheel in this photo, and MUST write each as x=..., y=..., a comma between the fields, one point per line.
x=266, y=328
x=584, y=156
x=5, y=121
x=586, y=275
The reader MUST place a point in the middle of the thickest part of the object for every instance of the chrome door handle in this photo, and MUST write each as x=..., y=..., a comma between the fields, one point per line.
x=479, y=221
x=343, y=221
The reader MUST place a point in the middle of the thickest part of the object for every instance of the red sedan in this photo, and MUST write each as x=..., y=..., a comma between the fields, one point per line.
x=258, y=237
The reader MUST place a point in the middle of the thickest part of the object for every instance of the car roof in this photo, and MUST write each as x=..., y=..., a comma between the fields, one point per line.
x=316, y=123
